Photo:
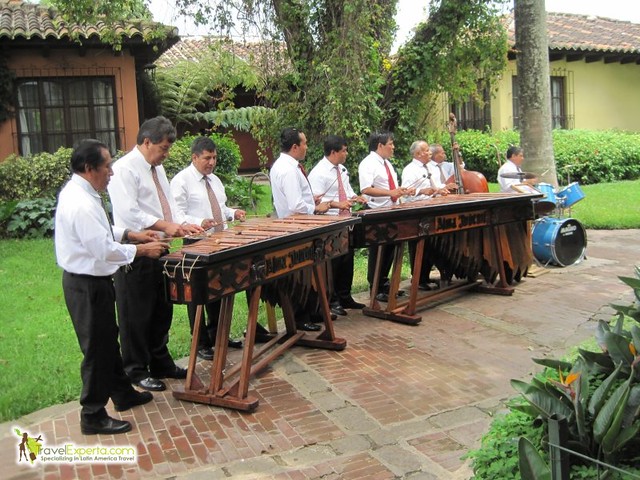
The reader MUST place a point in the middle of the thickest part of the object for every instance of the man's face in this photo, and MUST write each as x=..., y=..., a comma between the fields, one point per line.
x=205, y=162
x=518, y=158
x=300, y=151
x=155, y=153
x=99, y=177
x=341, y=155
x=423, y=153
x=439, y=156
x=386, y=150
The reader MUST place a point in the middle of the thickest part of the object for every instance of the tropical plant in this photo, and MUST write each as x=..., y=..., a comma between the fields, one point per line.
x=598, y=394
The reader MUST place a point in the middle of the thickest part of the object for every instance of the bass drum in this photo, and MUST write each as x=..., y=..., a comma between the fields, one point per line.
x=561, y=241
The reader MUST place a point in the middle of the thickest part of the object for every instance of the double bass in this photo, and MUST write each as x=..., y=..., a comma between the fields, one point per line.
x=468, y=181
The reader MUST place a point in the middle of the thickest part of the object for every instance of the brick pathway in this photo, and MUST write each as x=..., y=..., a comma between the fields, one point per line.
x=399, y=402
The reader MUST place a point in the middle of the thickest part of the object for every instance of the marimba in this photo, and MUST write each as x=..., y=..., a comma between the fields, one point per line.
x=465, y=236
x=273, y=258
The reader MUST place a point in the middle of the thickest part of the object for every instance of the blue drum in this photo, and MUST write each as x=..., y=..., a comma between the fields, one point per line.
x=571, y=194
x=561, y=241
x=549, y=193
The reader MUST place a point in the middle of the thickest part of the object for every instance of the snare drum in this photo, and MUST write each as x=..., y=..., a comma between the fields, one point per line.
x=561, y=241
x=570, y=195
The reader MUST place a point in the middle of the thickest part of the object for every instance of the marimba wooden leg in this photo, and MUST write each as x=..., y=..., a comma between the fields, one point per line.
x=192, y=381
x=396, y=274
x=373, y=303
x=327, y=338
x=415, y=277
x=503, y=288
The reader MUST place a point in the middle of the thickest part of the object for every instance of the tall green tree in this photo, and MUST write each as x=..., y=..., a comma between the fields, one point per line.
x=333, y=69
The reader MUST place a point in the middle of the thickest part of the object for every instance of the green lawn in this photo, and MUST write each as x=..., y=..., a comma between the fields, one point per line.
x=39, y=354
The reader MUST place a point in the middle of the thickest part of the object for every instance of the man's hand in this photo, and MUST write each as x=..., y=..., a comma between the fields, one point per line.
x=144, y=236
x=240, y=215
x=317, y=198
x=321, y=207
x=344, y=205
x=152, y=249
x=191, y=228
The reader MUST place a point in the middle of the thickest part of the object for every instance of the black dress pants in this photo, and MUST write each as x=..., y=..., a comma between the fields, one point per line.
x=387, y=261
x=425, y=271
x=145, y=317
x=342, y=271
x=91, y=304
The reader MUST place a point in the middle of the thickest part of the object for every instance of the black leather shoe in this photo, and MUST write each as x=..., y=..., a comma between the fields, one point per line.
x=338, y=310
x=108, y=425
x=351, y=303
x=152, y=384
x=234, y=343
x=382, y=297
x=318, y=318
x=205, y=353
x=133, y=400
x=309, y=327
x=424, y=286
x=400, y=293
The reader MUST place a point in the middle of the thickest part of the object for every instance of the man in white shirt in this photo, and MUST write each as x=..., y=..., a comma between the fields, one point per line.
x=142, y=200
x=292, y=194
x=424, y=177
x=444, y=170
x=379, y=186
x=90, y=250
x=329, y=180
x=200, y=199
x=513, y=165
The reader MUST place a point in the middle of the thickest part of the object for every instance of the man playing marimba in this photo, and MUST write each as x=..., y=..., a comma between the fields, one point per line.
x=380, y=187
x=330, y=179
x=292, y=194
x=200, y=198
x=90, y=250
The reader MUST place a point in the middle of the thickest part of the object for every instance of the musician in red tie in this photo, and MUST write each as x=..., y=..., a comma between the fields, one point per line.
x=379, y=186
x=200, y=198
x=90, y=250
x=329, y=180
x=141, y=200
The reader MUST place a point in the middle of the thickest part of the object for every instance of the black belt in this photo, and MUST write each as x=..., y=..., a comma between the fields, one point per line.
x=89, y=277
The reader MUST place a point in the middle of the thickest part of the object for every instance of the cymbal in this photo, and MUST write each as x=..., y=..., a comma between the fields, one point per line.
x=519, y=175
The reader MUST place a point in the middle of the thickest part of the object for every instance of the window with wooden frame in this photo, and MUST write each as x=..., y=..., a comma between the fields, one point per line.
x=54, y=112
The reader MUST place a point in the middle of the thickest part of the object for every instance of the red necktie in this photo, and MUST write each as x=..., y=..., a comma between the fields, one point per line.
x=301, y=167
x=392, y=184
x=342, y=194
x=164, y=203
x=215, y=207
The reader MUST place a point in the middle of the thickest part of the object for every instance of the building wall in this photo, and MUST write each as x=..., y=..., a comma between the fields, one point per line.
x=599, y=96
x=69, y=62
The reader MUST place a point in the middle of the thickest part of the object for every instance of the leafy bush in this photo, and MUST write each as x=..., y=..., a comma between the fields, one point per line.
x=39, y=175
x=32, y=218
x=586, y=156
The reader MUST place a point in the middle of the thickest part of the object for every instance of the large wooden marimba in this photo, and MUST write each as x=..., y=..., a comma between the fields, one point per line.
x=278, y=259
x=466, y=236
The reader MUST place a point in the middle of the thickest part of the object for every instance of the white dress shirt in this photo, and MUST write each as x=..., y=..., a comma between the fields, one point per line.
x=84, y=241
x=323, y=178
x=372, y=173
x=290, y=188
x=189, y=193
x=134, y=195
x=419, y=175
x=505, y=183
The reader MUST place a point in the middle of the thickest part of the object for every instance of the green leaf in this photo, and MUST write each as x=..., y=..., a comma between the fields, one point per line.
x=552, y=363
x=532, y=466
x=618, y=348
x=546, y=403
x=609, y=440
x=607, y=414
x=600, y=394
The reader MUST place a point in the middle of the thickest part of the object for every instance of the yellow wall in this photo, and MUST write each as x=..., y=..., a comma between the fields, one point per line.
x=68, y=62
x=600, y=96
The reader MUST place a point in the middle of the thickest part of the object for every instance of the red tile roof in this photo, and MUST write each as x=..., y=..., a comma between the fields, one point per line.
x=27, y=21
x=583, y=33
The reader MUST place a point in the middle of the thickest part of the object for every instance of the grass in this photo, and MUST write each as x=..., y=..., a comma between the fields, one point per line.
x=39, y=353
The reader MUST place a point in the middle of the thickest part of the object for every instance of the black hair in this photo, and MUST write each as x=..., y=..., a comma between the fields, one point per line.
x=201, y=144
x=288, y=138
x=333, y=143
x=156, y=129
x=377, y=138
x=513, y=150
x=88, y=155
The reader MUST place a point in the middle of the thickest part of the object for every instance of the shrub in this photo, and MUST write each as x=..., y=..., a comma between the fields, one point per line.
x=39, y=175
x=582, y=155
x=32, y=218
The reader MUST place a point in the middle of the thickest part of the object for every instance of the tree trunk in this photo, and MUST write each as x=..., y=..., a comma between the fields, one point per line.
x=534, y=89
